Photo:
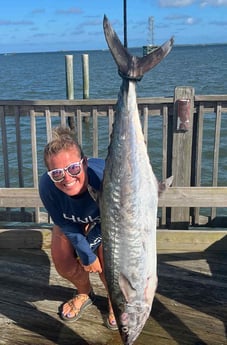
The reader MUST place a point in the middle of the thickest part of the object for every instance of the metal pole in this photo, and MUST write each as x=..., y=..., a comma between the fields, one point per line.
x=125, y=24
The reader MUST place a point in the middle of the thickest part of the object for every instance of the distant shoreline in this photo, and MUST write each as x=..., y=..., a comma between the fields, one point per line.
x=106, y=49
x=200, y=44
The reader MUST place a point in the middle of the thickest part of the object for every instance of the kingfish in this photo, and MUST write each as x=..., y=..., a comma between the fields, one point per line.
x=129, y=199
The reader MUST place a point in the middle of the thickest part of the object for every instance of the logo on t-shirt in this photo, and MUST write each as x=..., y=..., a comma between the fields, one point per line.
x=86, y=220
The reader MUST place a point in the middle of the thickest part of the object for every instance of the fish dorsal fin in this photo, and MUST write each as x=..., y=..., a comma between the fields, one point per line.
x=129, y=66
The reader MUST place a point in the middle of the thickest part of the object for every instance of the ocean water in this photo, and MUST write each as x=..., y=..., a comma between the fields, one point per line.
x=42, y=76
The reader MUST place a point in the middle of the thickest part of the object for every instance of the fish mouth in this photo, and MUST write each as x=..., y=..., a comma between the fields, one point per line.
x=131, y=322
x=124, y=335
x=129, y=335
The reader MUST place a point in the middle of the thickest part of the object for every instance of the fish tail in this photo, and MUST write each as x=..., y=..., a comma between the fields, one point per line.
x=129, y=66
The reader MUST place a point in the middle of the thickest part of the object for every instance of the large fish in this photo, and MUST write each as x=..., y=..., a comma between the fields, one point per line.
x=129, y=199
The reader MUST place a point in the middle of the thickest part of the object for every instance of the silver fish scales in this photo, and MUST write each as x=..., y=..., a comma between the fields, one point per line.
x=129, y=200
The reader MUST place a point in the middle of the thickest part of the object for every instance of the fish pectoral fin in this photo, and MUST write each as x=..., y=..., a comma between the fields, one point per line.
x=150, y=289
x=93, y=193
x=126, y=287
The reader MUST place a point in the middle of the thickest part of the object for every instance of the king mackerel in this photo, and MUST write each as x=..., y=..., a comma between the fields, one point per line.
x=129, y=199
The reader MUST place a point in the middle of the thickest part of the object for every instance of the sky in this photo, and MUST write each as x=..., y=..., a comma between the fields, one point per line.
x=54, y=25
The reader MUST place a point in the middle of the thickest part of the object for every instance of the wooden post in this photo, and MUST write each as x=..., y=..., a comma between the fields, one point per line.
x=182, y=149
x=69, y=85
x=69, y=77
x=85, y=66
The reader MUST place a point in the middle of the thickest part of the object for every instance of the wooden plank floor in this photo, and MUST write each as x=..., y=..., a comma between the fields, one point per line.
x=190, y=305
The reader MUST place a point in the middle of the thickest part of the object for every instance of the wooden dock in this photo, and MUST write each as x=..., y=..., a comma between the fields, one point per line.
x=190, y=306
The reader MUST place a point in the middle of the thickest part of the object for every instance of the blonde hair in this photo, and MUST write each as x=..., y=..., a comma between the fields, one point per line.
x=63, y=138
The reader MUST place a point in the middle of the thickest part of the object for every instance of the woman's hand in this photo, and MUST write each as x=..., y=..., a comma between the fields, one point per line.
x=93, y=267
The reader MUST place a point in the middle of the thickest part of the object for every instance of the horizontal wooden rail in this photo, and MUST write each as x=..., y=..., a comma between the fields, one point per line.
x=194, y=197
x=173, y=197
x=20, y=197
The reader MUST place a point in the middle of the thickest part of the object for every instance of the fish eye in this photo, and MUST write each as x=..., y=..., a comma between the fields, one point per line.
x=124, y=329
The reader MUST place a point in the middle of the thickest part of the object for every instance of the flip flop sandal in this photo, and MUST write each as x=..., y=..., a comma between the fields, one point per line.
x=78, y=311
x=112, y=325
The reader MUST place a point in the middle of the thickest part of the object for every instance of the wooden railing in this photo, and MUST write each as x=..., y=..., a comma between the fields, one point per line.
x=26, y=126
x=172, y=197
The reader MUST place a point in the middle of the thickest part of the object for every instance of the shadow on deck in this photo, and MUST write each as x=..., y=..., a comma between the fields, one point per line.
x=190, y=306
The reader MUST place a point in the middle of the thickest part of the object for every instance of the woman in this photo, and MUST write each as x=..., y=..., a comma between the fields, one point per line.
x=76, y=245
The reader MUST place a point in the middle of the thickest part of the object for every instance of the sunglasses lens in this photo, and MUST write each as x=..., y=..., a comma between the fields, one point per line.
x=57, y=174
x=74, y=169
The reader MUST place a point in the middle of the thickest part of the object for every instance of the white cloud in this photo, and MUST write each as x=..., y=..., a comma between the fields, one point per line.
x=19, y=22
x=190, y=21
x=72, y=10
x=38, y=10
x=203, y=3
x=176, y=3
x=215, y=3
x=184, y=3
x=219, y=23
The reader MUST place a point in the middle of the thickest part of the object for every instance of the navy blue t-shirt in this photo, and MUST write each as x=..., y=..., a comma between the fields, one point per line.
x=71, y=214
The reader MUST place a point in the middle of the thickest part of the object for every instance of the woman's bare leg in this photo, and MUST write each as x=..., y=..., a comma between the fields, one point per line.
x=111, y=316
x=69, y=267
